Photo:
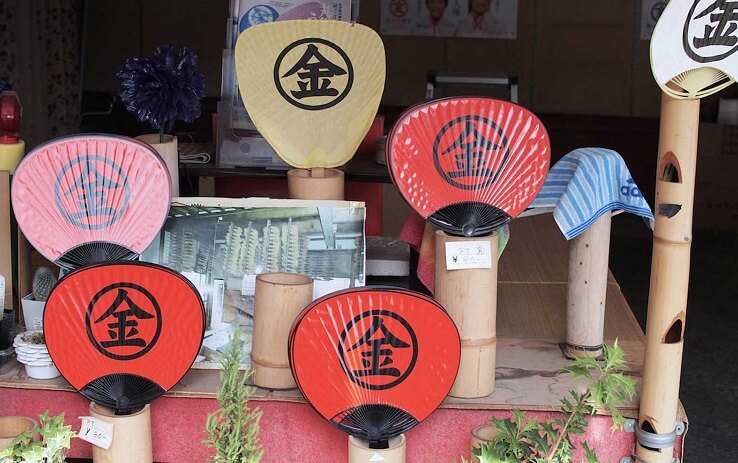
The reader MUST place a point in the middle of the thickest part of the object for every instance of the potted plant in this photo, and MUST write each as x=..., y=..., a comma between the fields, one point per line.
x=33, y=304
x=233, y=429
x=46, y=443
x=528, y=440
x=30, y=350
x=160, y=91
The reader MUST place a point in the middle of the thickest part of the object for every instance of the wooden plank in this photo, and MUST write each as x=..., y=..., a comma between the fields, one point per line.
x=6, y=259
x=537, y=252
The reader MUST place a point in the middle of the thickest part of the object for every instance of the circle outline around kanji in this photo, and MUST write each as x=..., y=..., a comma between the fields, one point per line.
x=91, y=307
x=87, y=158
x=446, y=128
x=342, y=349
x=688, y=47
x=337, y=99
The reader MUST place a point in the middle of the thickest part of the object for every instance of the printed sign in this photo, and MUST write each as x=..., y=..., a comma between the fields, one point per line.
x=450, y=18
x=466, y=254
x=695, y=34
x=650, y=13
x=96, y=432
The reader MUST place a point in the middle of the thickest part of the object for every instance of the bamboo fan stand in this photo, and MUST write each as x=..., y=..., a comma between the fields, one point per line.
x=481, y=435
x=587, y=290
x=667, y=303
x=131, y=436
x=169, y=154
x=470, y=297
x=316, y=183
x=359, y=451
x=278, y=299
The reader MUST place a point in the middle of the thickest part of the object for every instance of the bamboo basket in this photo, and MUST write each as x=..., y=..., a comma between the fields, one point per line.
x=470, y=297
x=587, y=290
x=359, y=451
x=131, y=436
x=315, y=183
x=278, y=299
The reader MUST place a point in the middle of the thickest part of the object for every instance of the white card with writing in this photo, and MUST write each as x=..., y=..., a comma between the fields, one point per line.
x=468, y=254
x=96, y=432
x=692, y=34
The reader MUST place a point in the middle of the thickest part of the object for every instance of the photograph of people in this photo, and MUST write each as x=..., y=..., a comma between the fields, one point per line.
x=433, y=21
x=479, y=22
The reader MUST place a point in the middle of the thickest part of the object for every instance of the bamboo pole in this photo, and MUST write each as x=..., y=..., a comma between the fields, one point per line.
x=470, y=297
x=667, y=302
x=587, y=290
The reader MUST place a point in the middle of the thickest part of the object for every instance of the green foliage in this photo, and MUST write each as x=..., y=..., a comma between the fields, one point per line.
x=46, y=443
x=528, y=440
x=233, y=429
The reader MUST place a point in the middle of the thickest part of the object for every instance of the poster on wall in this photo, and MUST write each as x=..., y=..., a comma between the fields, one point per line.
x=450, y=18
x=650, y=13
x=221, y=245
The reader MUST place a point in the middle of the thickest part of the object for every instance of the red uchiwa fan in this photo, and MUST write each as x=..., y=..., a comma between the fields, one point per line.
x=374, y=361
x=88, y=199
x=124, y=333
x=468, y=165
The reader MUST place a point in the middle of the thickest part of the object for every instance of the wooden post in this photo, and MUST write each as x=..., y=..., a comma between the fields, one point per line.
x=470, y=297
x=278, y=299
x=131, y=436
x=667, y=303
x=316, y=183
x=359, y=451
x=587, y=289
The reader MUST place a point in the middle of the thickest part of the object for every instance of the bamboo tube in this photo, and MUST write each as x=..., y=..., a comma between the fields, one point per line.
x=131, y=436
x=12, y=426
x=359, y=451
x=480, y=435
x=278, y=299
x=587, y=290
x=316, y=183
x=470, y=297
x=168, y=152
x=667, y=304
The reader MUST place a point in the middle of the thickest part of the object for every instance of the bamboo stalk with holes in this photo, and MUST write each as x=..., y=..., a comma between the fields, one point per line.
x=587, y=289
x=667, y=304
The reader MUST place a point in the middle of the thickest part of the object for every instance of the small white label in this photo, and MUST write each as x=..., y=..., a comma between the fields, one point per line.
x=468, y=254
x=377, y=457
x=96, y=432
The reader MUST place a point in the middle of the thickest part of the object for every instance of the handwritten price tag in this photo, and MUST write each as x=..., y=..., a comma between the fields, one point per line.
x=465, y=254
x=96, y=432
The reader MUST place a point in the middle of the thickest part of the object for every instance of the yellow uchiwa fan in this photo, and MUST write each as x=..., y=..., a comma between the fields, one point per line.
x=312, y=88
x=692, y=54
x=91, y=198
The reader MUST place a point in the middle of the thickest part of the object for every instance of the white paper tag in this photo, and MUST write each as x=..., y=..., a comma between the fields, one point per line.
x=96, y=431
x=468, y=254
